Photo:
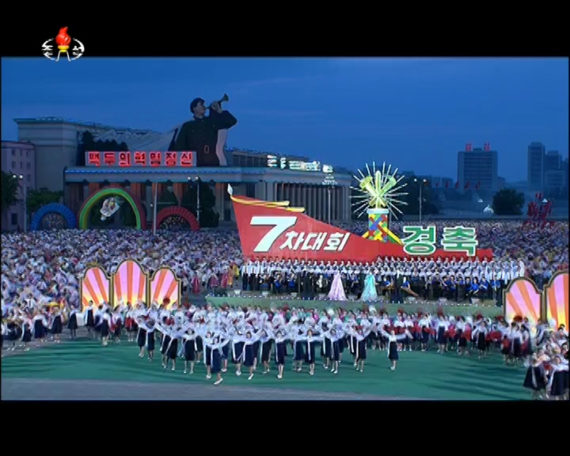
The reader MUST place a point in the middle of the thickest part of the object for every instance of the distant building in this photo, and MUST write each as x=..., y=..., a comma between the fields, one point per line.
x=256, y=174
x=18, y=158
x=555, y=176
x=56, y=141
x=477, y=169
x=554, y=182
x=552, y=161
x=535, y=166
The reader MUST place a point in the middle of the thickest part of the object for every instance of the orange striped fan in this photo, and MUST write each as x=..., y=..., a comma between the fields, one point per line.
x=557, y=299
x=522, y=299
x=130, y=283
x=95, y=286
x=164, y=284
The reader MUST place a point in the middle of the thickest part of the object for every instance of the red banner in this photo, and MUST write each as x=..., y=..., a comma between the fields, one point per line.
x=267, y=231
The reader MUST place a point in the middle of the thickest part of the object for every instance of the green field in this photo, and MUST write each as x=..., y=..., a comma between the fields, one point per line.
x=420, y=375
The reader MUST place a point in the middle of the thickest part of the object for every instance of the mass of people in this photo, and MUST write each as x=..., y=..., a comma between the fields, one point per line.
x=41, y=300
x=208, y=339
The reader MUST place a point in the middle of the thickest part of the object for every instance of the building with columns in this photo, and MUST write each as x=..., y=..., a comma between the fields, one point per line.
x=302, y=189
x=60, y=167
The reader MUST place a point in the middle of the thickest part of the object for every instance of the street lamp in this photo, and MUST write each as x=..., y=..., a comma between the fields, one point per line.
x=329, y=181
x=422, y=182
x=21, y=177
x=197, y=180
x=154, y=207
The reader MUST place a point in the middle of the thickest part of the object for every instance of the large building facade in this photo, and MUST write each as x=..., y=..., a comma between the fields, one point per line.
x=18, y=158
x=258, y=175
x=535, y=166
x=477, y=168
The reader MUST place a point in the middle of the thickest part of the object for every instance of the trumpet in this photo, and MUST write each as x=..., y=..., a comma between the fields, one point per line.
x=224, y=98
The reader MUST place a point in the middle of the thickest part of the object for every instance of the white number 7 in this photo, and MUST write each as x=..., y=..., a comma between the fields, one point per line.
x=281, y=225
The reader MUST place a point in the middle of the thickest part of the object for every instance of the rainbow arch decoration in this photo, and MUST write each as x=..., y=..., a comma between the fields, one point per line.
x=130, y=283
x=523, y=299
x=183, y=213
x=95, y=285
x=556, y=294
x=57, y=208
x=112, y=191
x=164, y=284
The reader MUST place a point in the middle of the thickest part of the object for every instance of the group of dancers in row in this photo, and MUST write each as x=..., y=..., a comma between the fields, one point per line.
x=253, y=337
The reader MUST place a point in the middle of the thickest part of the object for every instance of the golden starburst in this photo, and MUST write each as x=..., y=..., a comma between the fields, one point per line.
x=379, y=189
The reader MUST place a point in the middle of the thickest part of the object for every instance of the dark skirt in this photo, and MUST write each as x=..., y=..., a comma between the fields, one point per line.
x=104, y=328
x=213, y=359
x=150, y=341
x=538, y=383
x=72, y=323
x=141, y=336
x=189, y=350
x=299, y=351
x=39, y=329
x=327, y=351
x=280, y=352
x=336, y=350
x=249, y=355
x=90, y=321
x=237, y=351
x=425, y=336
x=225, y=351
x=172, y=349
x=360, y=350
x=516, y=348
x=266, y=351
x=441, y=337
x=341, y=345
x=481, y=341
x=352, y=344
x=57, y=326
x=27, y=334
x=164, y=345
x=393, y=351
x=199, y=344
x=310, y=352
x=558, y=383
x=256, y=346
x=15, y=332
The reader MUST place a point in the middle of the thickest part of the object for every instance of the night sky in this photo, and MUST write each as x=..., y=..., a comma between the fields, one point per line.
x=414, y=113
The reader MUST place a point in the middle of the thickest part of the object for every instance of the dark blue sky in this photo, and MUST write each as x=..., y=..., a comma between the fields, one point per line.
x=415, y=113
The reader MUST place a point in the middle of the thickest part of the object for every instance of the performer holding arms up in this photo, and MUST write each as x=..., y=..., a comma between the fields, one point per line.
x=393, y=345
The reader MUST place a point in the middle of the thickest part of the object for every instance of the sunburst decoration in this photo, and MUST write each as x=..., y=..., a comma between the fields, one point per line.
x=380, y=189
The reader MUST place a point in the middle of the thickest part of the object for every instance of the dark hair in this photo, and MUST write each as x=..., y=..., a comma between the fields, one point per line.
x=195, y=102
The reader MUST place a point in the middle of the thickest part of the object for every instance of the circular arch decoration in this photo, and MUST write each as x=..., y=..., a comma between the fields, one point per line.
x=133, y=201
x=57, y=208
x=180, y=212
